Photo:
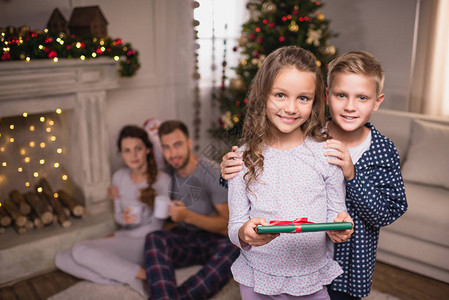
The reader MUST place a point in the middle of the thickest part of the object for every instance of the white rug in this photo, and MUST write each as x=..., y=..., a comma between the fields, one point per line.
x=85, y=290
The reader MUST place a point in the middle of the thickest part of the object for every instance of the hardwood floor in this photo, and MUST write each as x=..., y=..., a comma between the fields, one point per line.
x=407, y=285
x=399, y=283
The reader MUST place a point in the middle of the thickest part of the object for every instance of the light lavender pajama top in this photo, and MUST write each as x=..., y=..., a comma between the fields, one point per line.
x=294, y=183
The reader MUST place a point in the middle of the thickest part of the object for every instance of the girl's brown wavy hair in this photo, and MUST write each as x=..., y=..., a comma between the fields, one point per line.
x=257, y=127
x=147, y=194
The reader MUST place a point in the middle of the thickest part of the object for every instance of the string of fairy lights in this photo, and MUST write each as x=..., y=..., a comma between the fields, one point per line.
x=30, y=45
x=53, y=54
x=31, y=147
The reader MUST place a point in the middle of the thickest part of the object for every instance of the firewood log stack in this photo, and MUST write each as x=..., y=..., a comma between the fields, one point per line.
x=38, y=208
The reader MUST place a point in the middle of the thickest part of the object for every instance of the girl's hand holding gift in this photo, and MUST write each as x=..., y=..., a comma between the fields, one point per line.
x=339, y=236
x=249, y=236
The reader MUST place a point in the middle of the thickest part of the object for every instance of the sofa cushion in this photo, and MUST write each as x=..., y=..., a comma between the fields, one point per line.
x=396, y=126
x=428, y=155
x=427, y=215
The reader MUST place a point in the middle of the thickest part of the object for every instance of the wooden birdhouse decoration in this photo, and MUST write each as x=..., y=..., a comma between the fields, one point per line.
x=88, y=20
x=57, y=22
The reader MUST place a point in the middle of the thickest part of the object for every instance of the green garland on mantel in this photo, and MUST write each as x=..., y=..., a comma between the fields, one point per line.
x=31, y=45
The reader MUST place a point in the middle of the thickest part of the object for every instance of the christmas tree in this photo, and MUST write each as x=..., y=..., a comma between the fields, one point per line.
x=272, y=24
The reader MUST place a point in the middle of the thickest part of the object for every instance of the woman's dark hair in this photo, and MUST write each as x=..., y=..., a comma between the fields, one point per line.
x=130, y=131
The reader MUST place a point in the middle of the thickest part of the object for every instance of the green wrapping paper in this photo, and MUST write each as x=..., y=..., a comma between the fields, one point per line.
x=292, y=228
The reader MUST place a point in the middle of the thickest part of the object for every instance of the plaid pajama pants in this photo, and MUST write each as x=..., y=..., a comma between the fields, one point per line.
x=177, y=248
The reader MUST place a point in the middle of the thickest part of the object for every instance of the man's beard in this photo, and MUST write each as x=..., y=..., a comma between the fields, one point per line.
x=185, y=162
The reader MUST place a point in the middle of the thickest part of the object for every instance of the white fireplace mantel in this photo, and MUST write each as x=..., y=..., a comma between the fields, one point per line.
x=71, y=85
x=79, y=89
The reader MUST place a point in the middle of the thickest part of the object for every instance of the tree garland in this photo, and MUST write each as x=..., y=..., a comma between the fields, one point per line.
x=52, y=45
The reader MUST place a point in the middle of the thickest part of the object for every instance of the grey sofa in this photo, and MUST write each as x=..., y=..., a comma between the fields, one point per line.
x=419, y=240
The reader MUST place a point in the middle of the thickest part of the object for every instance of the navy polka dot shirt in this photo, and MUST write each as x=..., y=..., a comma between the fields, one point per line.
x=375, y=197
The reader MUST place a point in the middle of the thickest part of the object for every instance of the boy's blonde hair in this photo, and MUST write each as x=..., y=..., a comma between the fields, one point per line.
x=357, y=62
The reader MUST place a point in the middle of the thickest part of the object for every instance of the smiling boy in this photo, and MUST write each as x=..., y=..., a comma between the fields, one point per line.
x=375, y=195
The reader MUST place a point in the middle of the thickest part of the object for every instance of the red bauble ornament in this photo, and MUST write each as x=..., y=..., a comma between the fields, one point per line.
x=265, y=21
x=237, y=103
x=259, y=40
x=271, y=24
x=252, y=36
x=246, y=100
x=284, y=18
x=52, y=54
x=6, y=56
x=281, y=39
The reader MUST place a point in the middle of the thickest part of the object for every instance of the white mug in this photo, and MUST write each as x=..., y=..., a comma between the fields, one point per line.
x=136, y=210
x=161, y=204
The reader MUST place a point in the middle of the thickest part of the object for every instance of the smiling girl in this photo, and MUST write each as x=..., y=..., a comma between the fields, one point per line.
x=285, y=176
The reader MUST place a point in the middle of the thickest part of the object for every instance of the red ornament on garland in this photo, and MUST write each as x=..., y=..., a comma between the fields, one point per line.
x=6, y=56
x=281, y=39
x=271, y=24
x=52, y=54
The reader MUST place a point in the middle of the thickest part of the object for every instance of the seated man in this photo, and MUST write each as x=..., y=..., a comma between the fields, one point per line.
x=200, y=210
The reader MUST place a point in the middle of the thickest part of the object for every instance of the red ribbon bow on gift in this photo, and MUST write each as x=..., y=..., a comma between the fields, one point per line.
x=297, y=222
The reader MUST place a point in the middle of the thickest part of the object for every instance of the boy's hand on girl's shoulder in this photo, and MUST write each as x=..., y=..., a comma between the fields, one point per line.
x=249, y=236
x=231, y=164
x=339, y=155
x=339, y=236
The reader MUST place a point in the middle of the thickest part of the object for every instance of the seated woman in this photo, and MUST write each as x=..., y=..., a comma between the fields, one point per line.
x=119, y=259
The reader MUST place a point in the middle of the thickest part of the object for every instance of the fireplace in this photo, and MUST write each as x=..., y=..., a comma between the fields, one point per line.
x=52, y=125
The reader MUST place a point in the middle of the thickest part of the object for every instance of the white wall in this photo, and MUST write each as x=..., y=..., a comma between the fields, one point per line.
x=383, y=28
x=161, y=30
